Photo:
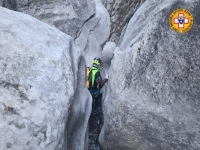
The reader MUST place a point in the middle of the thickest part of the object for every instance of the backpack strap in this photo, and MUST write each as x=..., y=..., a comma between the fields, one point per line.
x=92, y=75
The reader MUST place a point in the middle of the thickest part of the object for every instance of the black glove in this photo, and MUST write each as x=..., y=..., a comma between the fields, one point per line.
x=105, y=80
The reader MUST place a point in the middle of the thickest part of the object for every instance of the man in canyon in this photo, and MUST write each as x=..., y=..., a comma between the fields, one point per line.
x=95, y=83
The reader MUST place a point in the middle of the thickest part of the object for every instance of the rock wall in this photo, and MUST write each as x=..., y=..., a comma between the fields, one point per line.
x=153, y=100
x=38, y=86
x=94, y=33
x=68, y=15
x=87, y=21
x=120, y=12
x=106, y=57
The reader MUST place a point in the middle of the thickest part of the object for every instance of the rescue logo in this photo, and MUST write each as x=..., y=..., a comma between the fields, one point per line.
x=181, y=20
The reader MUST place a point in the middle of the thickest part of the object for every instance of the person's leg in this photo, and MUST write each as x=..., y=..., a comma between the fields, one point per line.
x=97, y=100
x=100, y=96
x=99, y=103
x=93, y=104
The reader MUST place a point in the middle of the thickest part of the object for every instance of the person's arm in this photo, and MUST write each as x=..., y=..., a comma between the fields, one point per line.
x=99, y=80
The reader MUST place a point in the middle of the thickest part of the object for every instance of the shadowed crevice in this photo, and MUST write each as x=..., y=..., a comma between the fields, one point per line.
x=77, y=121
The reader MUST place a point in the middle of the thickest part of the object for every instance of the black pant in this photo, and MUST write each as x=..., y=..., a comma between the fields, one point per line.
x=96, y=102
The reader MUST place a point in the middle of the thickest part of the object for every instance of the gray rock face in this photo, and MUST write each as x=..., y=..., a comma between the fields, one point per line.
x=94, y=33
x=87, y=21
x=68, y=15
x=38, y=86
x=106, y=57
x=120, y=12
x=154, y=100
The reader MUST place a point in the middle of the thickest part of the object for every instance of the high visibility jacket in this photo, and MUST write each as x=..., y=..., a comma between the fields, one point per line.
x=96, y=81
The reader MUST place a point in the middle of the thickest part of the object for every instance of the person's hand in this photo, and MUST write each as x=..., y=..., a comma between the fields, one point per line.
x=105, y=80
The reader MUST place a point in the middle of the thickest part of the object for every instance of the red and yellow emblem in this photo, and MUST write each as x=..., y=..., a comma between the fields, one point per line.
x=181, y=20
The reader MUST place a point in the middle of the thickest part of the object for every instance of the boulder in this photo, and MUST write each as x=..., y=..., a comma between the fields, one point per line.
x=106, y=57
x=40, y=67
x=95, y=33
x=87, y=21
x=153, y=100
x=66, y=15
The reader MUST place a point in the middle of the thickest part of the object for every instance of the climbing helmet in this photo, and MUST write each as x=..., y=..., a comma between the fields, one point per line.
x=97, y=61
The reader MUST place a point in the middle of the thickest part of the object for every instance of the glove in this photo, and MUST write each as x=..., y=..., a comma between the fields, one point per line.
x=105, y=80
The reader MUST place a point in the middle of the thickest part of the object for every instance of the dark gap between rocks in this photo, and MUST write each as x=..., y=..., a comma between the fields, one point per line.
x=95, y=125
